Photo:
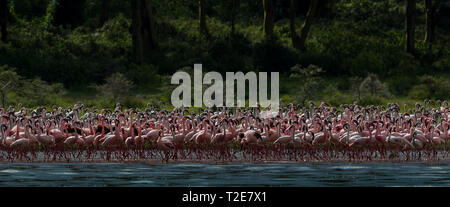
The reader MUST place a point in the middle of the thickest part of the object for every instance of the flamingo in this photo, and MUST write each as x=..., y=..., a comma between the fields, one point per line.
x=165, y=143
x=114, y=139
x=286, y=139
x=220, y=137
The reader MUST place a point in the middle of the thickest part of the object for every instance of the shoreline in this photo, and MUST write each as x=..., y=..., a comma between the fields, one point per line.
x=224, y=162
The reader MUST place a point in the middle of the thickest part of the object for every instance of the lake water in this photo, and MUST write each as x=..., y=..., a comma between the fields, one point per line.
x=292, y=174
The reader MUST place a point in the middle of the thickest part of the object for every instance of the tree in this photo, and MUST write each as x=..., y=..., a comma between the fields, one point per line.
x=149, y=26
x=50, y=13
x=202, y=17
x=142, y=29
x=104, y=16
x=355, y=86
x=294, y=37
x=410, y=26
x=373, y=86
x=4, y=19
x=40, y=92
x=117, y=86
x=430, y=23
x=310, y=83
x=298, y=40
x=269, y=16
x=9, y=81
x=233, y=14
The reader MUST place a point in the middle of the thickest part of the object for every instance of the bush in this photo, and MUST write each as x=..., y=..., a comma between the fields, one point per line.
x=117, y=87
x=310, y=82
x=72, y=57
x=419, y=92
x=334, y=97
x=145, y=76
x=9, y=81
x=400, y=85
x=431, y=88
x=355, y=86
x=39, y=92
x=371, y=86
x=366, y=62
x=369, y=15
x=134, y=102
x=36, y=92
x=371, y=100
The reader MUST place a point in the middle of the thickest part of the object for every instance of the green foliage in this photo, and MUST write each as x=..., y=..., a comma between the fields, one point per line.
x=39, y=92
x=368, y=15
x=32, y=92
x=355, y=86
x=335, y=97
x=9, y=81
x=144, y=75
x=12, y=12
x=431, y=88
x=400, y=85
x=116, y=86
x=371, y=100
x=365, y=62
x=373, y=87
x=115, y=31
x=348, y=38
x=50, y=13
x=71, y=57
x=310, y=82
x=443, y=64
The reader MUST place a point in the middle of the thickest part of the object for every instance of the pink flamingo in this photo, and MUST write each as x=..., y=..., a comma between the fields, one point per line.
x=286, y=139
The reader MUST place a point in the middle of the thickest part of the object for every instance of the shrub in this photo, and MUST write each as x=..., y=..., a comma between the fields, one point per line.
x=355, y=88
x=366, y=62
x=145, y=76
x=419, y=92
x=117, y=87
x=9, y=80
x=334, y=97
x=400, y=85
x=372, y=86
x=310, y=82
x=431, y=87
x=371, y=100
x=36, y=92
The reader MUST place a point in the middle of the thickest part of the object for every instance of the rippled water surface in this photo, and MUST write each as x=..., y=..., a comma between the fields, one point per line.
x=317, y=174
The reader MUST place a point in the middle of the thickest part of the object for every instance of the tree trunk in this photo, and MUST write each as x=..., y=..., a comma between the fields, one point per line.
x=142, y=29
x=105, y=11
x=149, y=26
x=430, y=15
x=410, y=26
x=136, y=25
x=303, y=34
x=269, y=10
x=202, y=17
x=4, y=19
x=233, y=15
x=294, y=36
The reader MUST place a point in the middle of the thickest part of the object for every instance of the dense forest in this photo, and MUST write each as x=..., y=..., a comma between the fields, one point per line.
x=58, y=52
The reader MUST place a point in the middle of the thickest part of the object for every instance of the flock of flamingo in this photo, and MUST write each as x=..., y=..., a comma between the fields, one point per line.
x=315, y=133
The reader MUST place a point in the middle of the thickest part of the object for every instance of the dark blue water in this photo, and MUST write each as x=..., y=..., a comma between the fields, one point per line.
x=317, y=174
